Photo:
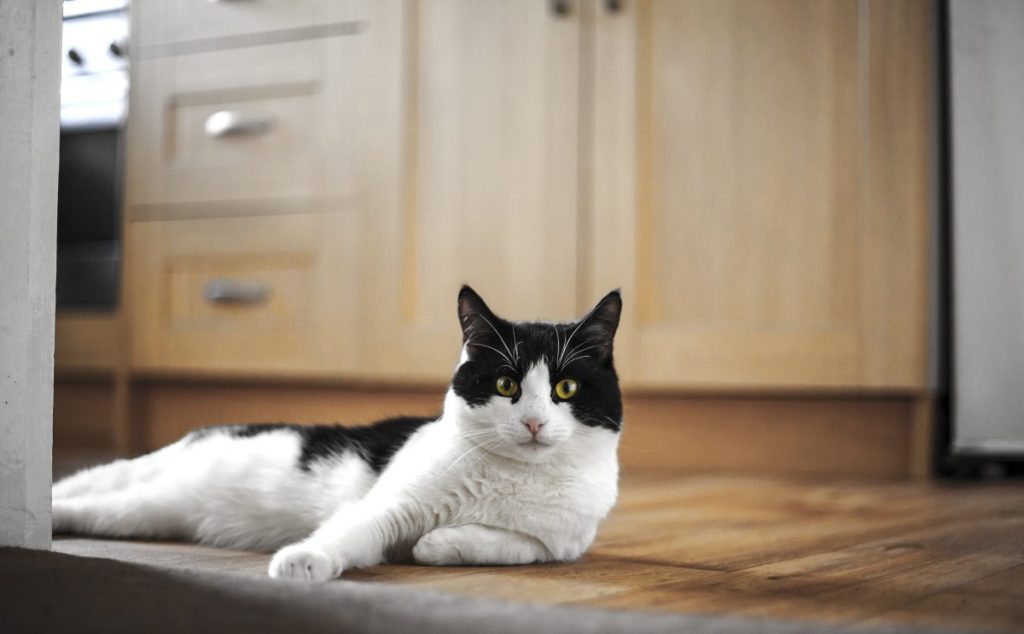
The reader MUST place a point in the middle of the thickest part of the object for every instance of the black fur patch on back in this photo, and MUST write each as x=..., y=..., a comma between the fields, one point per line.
x=376, y=444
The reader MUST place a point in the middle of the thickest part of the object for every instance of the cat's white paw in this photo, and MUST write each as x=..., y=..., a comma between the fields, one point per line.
x=304, y=563
x=440, y=547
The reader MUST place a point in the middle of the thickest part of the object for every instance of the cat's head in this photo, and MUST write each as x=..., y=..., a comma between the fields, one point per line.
x=525, y=389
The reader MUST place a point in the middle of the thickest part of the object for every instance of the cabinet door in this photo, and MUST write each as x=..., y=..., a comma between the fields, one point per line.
x=761, y=190
x=478, y=183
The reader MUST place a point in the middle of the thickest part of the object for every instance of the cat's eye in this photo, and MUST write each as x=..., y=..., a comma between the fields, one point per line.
x=506, y=386
x=566, y=389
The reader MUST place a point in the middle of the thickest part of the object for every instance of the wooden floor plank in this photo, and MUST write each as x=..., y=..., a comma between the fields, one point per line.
x=854, y=584
x=838, y=552
x=995, y=602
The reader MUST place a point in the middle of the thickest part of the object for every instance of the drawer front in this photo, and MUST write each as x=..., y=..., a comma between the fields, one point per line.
x=262, y=124
x=162, y=22
x=257, y=293
x=242, y=295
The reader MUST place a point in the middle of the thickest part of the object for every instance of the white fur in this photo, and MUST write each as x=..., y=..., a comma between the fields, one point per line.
x=470, y=488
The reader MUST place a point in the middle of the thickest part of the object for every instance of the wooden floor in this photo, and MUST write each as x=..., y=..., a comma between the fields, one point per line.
x=949, y=555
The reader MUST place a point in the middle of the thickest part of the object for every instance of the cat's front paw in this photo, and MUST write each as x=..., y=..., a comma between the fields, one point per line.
x=440, y=547
x=304, y=563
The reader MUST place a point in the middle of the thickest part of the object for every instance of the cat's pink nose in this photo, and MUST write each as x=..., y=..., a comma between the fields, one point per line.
x=533, y=425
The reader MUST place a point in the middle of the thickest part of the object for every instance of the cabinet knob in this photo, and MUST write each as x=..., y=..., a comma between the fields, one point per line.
x=228, y=123
x=75, y=57
x=561, y=8
x=613, y=6
x=222, y=290
x=119, y=48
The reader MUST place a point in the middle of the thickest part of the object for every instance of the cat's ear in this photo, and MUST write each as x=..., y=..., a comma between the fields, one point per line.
x=474, y=315
x=598, y=328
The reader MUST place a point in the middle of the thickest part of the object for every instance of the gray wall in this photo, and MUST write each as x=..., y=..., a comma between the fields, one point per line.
x=987, y=59
x=29, y=137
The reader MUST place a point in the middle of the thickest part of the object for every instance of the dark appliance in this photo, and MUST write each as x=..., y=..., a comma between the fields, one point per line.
x=94, y=104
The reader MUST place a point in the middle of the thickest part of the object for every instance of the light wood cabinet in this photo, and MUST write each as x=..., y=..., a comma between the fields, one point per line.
x=761, y=176
x=244, y=221
x=483, y=157
x=754, y=176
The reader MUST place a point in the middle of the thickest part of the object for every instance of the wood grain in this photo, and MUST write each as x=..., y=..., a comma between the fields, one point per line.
x=756, y=179
x=820, y=551
x=764, y=207
x=897, y=114
x=475, y=181
x=829, y=435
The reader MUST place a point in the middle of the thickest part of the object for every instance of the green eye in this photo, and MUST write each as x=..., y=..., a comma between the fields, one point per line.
x=566, y=389
x=507, y=386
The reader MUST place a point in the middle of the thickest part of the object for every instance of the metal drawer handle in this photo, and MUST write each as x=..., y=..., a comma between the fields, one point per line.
x=227, y=291
x=227, y=123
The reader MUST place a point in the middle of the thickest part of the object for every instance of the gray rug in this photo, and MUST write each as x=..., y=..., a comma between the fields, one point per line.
x=52, y=592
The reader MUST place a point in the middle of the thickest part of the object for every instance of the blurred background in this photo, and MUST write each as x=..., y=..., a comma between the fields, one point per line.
x=813, y=209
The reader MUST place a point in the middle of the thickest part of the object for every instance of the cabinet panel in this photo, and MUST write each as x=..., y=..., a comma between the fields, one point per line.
x=488, y=179
x=170, y=21
x=736, y=194
x=245, y=295
x=257, y=125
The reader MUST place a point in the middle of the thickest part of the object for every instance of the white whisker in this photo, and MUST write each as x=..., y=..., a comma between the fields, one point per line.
x=558, y=343
x=578, y=326
x=502, y=339
x=575, y=359
x=484, y=345
x=473, y=447
x=576, y=354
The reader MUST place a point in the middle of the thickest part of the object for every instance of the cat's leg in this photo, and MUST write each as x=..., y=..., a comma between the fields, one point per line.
x=114, y=476
x=137, y=511
x=354, y=537
x=224, y=514
x=478, y=545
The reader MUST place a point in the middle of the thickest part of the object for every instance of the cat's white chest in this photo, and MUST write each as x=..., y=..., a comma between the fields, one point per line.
x=558, y=501
x=560, y=505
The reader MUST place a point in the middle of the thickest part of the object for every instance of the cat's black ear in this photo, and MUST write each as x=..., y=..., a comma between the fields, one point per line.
x=596, y=330
x=474, y=315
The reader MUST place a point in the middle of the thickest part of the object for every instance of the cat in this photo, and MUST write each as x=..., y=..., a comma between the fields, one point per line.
x=520, y=467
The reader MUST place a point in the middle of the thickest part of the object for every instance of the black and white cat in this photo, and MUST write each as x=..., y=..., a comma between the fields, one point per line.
x=520, y=468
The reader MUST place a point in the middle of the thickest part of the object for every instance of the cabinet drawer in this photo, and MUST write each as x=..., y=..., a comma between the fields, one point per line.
x=241, y=294
x=161, y=22
x=256, y=293
x=262, y=124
